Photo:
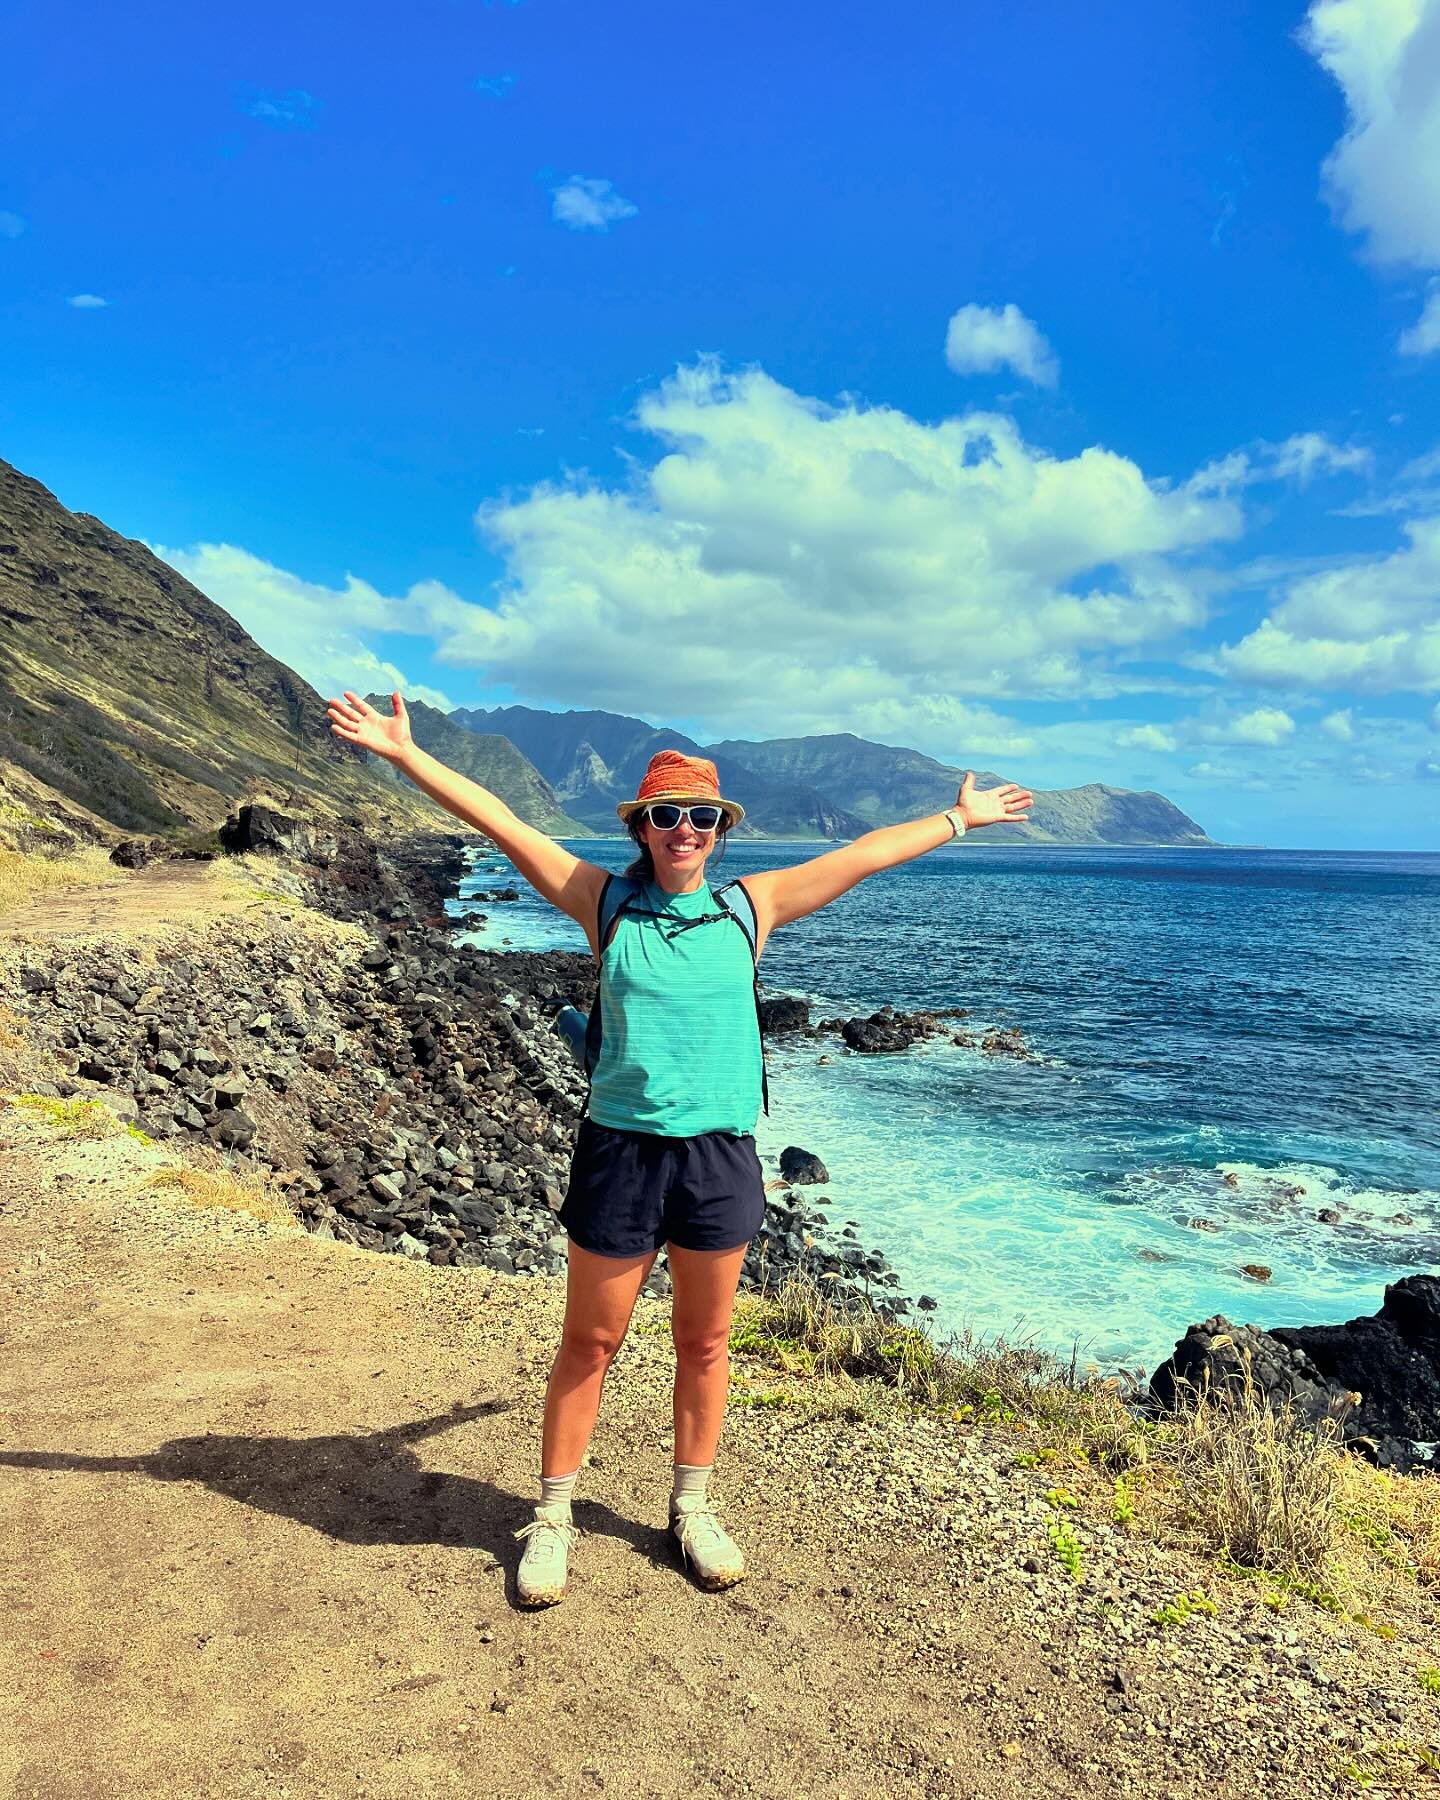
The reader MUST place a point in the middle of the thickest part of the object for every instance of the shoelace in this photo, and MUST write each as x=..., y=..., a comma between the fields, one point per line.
x=569, y=1534
x=706, y=1518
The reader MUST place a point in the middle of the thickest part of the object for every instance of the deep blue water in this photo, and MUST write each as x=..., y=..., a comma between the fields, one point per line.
x=1239, y=1037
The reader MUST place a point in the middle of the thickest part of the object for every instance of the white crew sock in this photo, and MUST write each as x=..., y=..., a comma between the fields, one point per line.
x=691, y=1481
x=556, y=1490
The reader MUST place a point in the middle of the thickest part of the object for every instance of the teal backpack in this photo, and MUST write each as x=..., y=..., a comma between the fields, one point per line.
x=620, y=895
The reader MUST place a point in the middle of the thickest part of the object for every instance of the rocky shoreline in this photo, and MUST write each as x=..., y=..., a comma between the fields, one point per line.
x=412, y=1095
x=415, y=1097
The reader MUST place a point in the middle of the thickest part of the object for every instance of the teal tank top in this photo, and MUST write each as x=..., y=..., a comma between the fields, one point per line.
x=681, y=1046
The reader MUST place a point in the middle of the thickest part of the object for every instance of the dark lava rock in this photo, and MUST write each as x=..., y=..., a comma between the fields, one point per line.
x=877, y=1034
x=783, y=1013
x=257, y=827
x=802, y=1167
x=235, y=1128
x=134, y=853
x=1378, y=1375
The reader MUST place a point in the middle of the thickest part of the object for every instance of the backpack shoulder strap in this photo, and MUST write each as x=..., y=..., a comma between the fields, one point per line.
x=617, y=893
x=734, y=897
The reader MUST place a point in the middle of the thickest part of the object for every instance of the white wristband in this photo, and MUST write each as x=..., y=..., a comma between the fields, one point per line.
x=957, y=824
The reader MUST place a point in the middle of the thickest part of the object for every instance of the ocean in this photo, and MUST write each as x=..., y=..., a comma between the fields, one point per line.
x=1230, y=1043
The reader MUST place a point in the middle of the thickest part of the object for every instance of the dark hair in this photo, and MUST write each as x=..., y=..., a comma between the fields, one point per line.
x=643, y=867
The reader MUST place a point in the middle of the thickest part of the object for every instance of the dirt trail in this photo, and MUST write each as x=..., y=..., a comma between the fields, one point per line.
x=261, y=1493
x=145, y=903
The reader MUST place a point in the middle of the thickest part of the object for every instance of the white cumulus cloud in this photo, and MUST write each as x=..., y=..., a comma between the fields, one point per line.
x=1372, y=624
x=861, y=558
x=586, y=204
x=1147, y=737
x=1309, y=453
x=86, y=302
x=1383, y=176
x=982, y=338
x=1265, y=726
x=1424, y=335
x=787, y=566
x=1299, y=458
x=313, y=629
x=1339, y=725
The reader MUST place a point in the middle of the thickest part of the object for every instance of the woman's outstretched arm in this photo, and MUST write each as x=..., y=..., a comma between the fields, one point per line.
x=564, y=880
x=782, y=895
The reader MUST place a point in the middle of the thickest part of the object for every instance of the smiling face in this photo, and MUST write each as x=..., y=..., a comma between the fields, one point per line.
x=679, y=855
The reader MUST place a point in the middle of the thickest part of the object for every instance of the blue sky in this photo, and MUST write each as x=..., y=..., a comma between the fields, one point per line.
x=1054, y=389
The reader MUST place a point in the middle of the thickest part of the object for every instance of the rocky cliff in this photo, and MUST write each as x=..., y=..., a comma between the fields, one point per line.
x=131, y=703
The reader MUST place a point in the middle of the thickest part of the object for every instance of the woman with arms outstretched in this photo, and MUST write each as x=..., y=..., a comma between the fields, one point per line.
x=665, y=1156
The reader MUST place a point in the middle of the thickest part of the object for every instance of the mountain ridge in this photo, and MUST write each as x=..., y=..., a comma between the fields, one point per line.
x=589, y=777
x=491, y=760
x=833, y=786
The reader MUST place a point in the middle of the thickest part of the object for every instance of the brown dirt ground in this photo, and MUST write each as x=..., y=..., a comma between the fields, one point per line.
x=261, y=1493
x=143, y=904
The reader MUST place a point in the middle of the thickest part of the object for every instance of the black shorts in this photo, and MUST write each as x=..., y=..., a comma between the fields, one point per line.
x=632, y=1192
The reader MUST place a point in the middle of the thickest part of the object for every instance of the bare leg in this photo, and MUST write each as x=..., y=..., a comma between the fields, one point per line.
x=599, y=1299
x=704, y=1283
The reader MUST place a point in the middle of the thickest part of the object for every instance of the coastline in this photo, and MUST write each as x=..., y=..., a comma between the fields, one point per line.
x=409, y=1087
x=336, y=1448
x=414, y=1093
x=863, y=1116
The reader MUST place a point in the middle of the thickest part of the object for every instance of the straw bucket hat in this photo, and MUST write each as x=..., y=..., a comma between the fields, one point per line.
x=674, y=776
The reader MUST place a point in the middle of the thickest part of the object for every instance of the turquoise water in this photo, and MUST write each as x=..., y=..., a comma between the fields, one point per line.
x=1239, y=1037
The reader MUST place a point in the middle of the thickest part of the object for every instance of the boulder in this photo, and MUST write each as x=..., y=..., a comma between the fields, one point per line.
x=802, y=1166
x=1378, y=1375
x=784, y=1013
x=876, y=1035
x=257, y=827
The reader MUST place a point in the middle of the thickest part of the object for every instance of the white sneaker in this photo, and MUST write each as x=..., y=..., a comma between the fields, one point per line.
x=549, y=1539
x=705, y=1544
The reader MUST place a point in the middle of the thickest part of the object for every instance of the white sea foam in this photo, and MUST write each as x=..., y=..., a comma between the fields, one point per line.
x=1058, y=1201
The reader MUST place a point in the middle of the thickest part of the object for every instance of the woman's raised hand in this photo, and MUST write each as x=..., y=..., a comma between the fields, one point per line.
x=358, y=723
x=995, y=806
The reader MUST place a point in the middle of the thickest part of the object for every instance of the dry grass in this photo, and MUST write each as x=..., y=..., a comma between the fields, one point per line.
x=26, y=876
x=227, y=1188
x=1257, y=1488
x=800, y=1326
x=1258, y=1483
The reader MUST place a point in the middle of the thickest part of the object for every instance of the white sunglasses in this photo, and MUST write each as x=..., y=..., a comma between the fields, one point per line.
x=665, y=816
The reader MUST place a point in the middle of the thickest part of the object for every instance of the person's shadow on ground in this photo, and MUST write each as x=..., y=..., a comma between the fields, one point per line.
x=360, y=1488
